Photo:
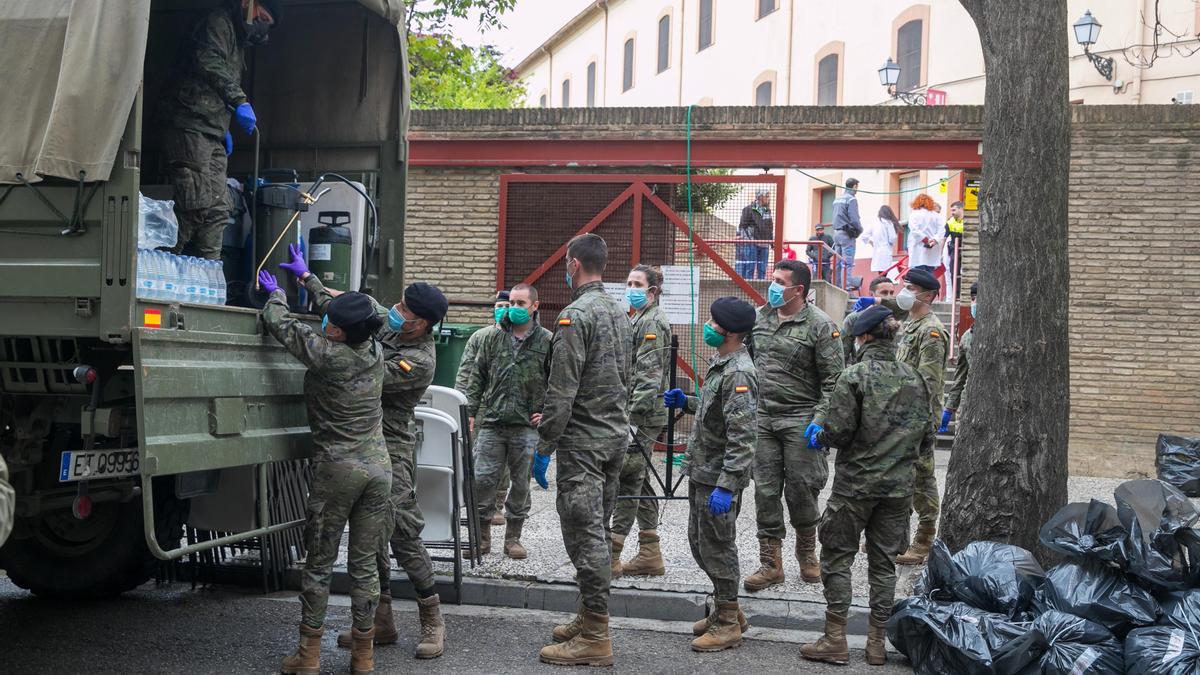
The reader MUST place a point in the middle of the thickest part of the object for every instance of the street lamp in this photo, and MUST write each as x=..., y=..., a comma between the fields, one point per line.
x=889, y=75
x=1087, y=31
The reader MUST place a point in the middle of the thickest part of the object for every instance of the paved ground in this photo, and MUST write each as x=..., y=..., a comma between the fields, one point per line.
x=173, y=629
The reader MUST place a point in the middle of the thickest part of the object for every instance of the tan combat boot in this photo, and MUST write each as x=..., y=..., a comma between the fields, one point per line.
x=830, y=647
x=649, y=561
x=362, y=652
x=485, y=537
x=701, y=627
x=806, y=555
x=876, y=645
x=591, y=647
x=618, y=545
x=724, y=632
x=512, y=540
x=433, y=629
x=385, y=625
x=498, y=518
x=918, y=550
x=307, y=659
x=771, y=570
x=566, y=631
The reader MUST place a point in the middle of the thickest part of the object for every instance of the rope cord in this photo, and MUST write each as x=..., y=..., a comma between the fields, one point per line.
x=947, y=179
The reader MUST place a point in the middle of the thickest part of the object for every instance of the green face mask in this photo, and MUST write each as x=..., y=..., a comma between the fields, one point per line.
x=499, y=313
x=518, y=316
x=712, y=338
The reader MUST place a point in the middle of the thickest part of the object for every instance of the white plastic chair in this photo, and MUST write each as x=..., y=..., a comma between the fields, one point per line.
x=445, y=399
x=435, y=496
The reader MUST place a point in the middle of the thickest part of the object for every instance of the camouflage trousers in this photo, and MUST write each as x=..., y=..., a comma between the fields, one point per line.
x=341, y=492
x=587, y=492
x=635, y=480
x=784, y=467
x=714, y=541
x=198, y=165
x=926, y=501
x=407, y=523
x=885, y=521
x=500, y=452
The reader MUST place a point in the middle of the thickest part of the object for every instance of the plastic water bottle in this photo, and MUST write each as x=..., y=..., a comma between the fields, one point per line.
x=145, y=286
x=158, y=263
x=219, y=282
x=193, y=286
x=170, y=275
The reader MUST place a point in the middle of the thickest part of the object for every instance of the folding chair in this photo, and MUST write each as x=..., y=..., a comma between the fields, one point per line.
x=440, y=473
x=454, y=403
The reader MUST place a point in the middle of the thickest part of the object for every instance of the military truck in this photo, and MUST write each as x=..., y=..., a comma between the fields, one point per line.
x=122, y=418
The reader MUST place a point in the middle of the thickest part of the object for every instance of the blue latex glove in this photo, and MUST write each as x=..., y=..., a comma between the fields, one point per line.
x=719, y=501
x=947, y=415
x=538, y=469
x=297, y=266
x=244, y=115
x=228, y=144
x=268, y=281
x=863, y=303
x=674, y=398
x=811, y=433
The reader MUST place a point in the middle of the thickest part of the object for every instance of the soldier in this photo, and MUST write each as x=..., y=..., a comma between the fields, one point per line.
x=719, y=455
x=881, y=287
x=878, y=418
x=586, y=420
x=798, y=356
x=505, y=396
x=962, y=368
x=465, y=367
x=923, y=344
x=208, y=85
x=647, y=419
x=351, y=478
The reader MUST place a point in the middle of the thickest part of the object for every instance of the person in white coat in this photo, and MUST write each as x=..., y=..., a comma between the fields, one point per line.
x=926, y=233
x=882, y=238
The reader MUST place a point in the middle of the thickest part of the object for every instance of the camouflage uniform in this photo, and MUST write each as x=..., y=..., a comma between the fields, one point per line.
x=507, y=386
x=719, y=454
x=196, y=116
x=466, y=367
x=350, y=480
x=848, y=323
x=962, y=369
x=878, y=418
x=798, y=362
x=7, y=501
x=651, y=376
x=586, y=419
x=922, y=345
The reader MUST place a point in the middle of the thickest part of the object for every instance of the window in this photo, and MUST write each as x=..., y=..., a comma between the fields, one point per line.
x=762, y=94
x=765, y=7
x=827, y=80
x=908, y=55
x=827, y=197
x=706, y=25
x=664, y=43
x=627, y=67
x=542, y=101
x=591, y=85
x=566, y=94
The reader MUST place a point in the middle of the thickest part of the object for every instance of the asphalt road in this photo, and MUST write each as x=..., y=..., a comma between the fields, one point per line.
x=174, y=629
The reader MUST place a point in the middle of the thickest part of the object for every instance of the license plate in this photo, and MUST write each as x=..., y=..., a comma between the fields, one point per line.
x=81, y=465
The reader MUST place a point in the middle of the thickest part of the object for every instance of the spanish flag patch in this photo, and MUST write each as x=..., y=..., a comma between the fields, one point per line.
x=152, y=318
x=564, y=321
x=651, y=336
x=741, y=389
x=837, y=333
x=405, y=366
x=934, y=333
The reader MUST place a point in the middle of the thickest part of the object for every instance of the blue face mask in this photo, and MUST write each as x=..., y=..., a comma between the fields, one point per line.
x=395, y=320
x=775, y=294
x=570, y=283
x=636, y=297
x=972, y=310
x=324, y=323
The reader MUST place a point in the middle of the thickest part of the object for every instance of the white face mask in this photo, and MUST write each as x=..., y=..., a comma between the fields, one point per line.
x=906, y=299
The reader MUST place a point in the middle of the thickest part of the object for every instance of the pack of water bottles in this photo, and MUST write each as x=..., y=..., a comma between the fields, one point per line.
x=179, y=278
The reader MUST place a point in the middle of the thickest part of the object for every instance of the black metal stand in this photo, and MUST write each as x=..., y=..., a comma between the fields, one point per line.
x=667, y=484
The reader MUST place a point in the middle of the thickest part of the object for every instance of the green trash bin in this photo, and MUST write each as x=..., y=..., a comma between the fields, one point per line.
x=451, y=342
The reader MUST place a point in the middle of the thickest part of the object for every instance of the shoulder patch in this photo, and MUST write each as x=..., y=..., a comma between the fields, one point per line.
x=405, y=366
x=934, y=333
x=651, y=336
x=564, y=321
x=837, y=333
x=741, y=389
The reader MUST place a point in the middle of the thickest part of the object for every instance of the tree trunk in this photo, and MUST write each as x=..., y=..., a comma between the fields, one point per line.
x=1008, y=470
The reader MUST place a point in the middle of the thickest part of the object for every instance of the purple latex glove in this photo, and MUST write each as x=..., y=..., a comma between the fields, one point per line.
x=268, y=281
x=244, y=116
x=297, y=266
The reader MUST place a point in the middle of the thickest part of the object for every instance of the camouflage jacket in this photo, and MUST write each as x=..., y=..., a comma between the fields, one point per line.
x=720, y=450
x=797, y=360
x=208, y=77
x=651, y=367
x=466, y=365
x=962, y=369
x=508, y=381
x=923, y=344
x=848, y=324
x=878, y=417
x=588, y=376
x=341, y=388
x=8, y=500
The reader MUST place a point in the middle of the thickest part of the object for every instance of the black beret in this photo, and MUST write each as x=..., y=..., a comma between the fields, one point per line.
x=733, y=314
x=923, y=279
x=350, y=309
x=869, y=318
x=426, y=301
x=501, y=296
x=975, y=289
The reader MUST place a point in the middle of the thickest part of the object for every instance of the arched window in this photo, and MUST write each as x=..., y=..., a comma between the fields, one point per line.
x=664, y=43
x=827, y=80
x=542, y=101
x=762, y=94
x=591, y=85
x=627, y=67
x=908, y=55
x=566, y=93
x=706, y=25
x=765, y=7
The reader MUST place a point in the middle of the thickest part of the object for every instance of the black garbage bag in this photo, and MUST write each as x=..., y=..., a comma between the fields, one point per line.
x=1098, y=592
x=1162, y=549
x=1062, y=644
x=1181, y=609
x=998, y=578
x=949, y=637
x=1162, y=650
x=1177, y=460
x=1088, y=530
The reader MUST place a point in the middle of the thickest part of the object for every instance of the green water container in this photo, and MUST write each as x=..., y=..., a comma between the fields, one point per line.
x=329, y=248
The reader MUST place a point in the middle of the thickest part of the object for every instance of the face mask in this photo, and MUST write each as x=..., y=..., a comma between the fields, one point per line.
x=396, y=320
x=775, y=294
x=499, y=313
x=324, y=323
x=518, y=316
x=712, y=338
x=972, y=310
x=256, y=32
x=636, y=297
x=906, y=299
x=858, y=346
x=569, y=282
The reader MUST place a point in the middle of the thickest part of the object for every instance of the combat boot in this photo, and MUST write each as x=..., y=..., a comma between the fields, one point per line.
x=724, y=632
x=648, y=561
x=771, y=570
x=876, y=647
x=385, y=625
x=433, y=629
x=701, y=627
x=485, y=537
x=362, y=652
x=830, y=647
x=512, y=540
x=498, y=517
x=591, y=647
x=806, y=555
x=618, y=545
x=918, y=550
x=307, y=659
x=566, y=631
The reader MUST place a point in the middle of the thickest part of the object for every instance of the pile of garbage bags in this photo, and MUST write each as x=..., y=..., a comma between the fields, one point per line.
x=1125, y=598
